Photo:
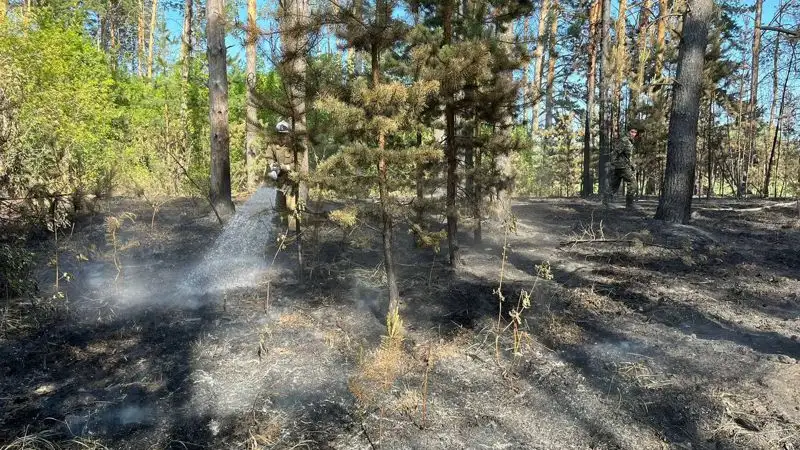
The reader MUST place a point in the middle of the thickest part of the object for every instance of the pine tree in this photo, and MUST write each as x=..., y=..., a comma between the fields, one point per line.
x=676, y=200
x=218, y=108
x=473, y=67
x=378, y=115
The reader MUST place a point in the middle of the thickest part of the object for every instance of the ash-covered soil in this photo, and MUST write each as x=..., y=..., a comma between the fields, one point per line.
x=638, y=335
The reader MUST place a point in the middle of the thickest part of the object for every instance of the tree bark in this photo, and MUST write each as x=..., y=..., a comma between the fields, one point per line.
x=387, y=226
x=295, y=49
x=186, y=64
x=676, y=200
x=777, y=127
x=451, y=151
x=140, y=40
x=620, y=60
x=503, y=162
x=661, y=33
x=641, y=54
x=526, y=84
x=419, y=184
x=477, y=202
x=153, y=16
x=251, y=113
x=218, y=101
x=605, y=116
x=752, y=125
x=773, y=105
x=3, y=10
x=538, y=57
x=710, y=149
x=552, y=56
x=588, y=183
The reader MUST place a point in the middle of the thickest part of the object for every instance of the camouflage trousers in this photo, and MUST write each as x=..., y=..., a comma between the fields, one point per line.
x=617, y=177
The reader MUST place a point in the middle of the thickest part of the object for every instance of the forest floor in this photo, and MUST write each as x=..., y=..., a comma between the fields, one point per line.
x=640, y=335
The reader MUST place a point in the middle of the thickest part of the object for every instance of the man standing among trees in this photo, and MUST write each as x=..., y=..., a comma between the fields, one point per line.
x=621, y=156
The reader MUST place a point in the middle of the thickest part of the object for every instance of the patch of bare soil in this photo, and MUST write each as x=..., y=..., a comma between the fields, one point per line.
x=616, y=332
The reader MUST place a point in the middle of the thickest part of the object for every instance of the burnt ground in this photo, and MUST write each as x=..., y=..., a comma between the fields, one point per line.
x=640, y=335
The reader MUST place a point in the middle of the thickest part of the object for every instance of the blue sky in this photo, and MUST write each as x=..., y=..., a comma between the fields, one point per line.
x=266, y=8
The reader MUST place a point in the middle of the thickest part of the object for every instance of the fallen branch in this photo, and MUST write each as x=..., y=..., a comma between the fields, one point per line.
x=614, y=241
x=369, y=439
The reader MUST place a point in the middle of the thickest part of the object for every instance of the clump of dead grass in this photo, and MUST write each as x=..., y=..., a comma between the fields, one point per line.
x=640, y=374
x=264, y=431
x=562, y=331
x=294, y=320
x=410, y=403
x=377, y=372
x=47, y=440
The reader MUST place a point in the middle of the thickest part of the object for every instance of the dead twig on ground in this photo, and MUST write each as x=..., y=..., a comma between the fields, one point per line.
x=574, y=242
x=369, y=439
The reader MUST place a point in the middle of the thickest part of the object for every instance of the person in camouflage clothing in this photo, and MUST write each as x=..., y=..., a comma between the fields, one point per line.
x=622, y=169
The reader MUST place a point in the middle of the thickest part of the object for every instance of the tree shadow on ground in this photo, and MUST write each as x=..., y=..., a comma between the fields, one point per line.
x=121, y=379
x=682, y=317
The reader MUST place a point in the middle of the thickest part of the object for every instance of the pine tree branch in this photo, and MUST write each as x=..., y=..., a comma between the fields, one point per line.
x=792, y=33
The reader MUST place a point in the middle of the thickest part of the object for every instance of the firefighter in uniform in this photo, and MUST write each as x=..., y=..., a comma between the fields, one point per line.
x=280, y=166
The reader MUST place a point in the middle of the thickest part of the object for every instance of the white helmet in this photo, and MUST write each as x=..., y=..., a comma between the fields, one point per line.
x=282, y=127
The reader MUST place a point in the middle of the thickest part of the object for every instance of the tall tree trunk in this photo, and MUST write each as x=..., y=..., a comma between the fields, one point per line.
x=661, y=33
x=477, y=202
x=641, y=54
x=419, y=166
x=450, y=149
x=218, y=102
x=552, y=56
x=387, y=230
x=467, y=140
x=3, y=10
x=620, y=60
x=186, y=64
x=526, y=85
x=752, y=123
x=153, y=16
x=294, y=34
x=605, y=113
x=112, y=34
x=777, y=128
x=591, y=74
x=353, y=57
x=26, y=13
x=675, y=203
x=503, y=163
x=773, y=104
x=741, y=119
x=140, y=40
x=538, y=57
x=710, y=149
x=420, y=186
x=251, y=124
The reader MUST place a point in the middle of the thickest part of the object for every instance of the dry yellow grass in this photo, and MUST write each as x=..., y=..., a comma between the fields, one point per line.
x=378, y=371
x=563, y=331
x=409, y=402
x=294, y=320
